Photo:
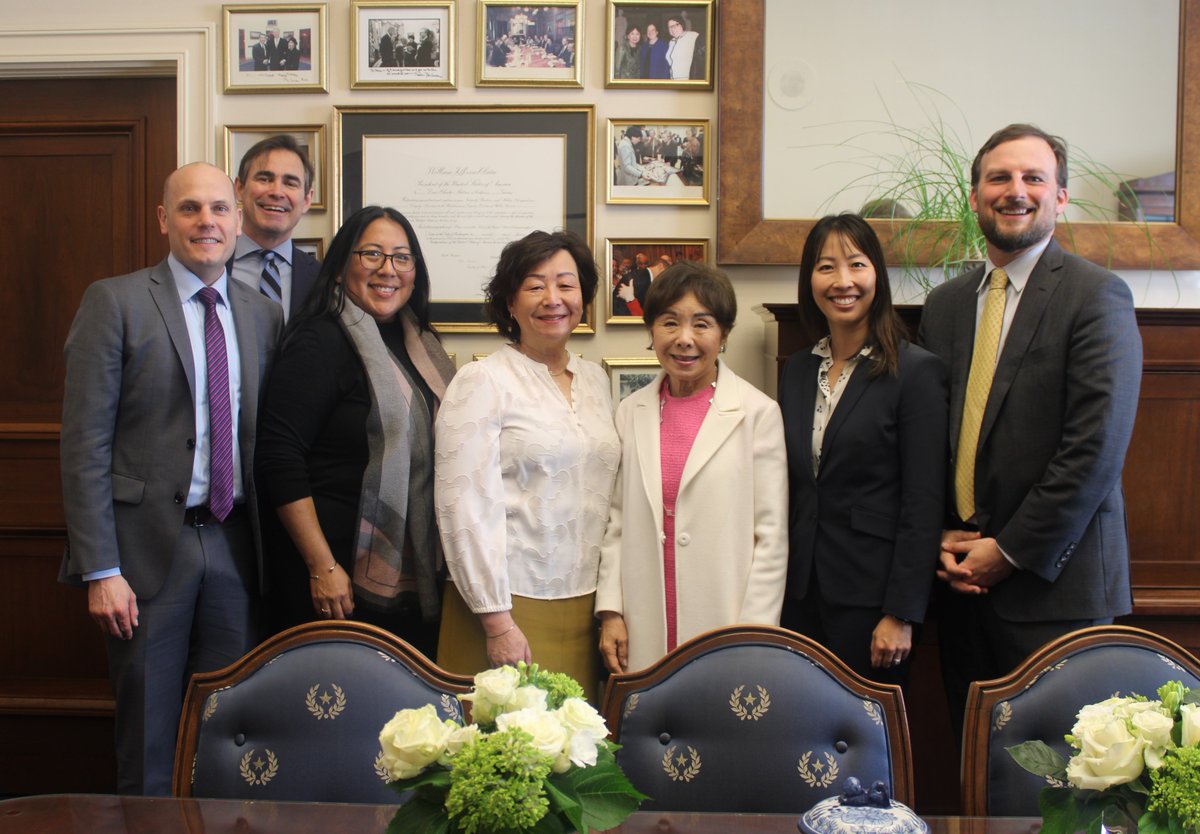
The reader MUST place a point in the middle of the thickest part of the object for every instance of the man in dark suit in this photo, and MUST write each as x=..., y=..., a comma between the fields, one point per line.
x=261, y=54
x=275, y=187
x=1045, y=396
x=387, y=48
x=164, y=368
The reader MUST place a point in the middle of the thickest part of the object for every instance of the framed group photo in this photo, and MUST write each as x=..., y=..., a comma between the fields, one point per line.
x=665, y=45
x=470, y=179
x=310, y=139
x=274, y=48
x=530, y=46
x=402, y=43
x=660, y=162
x=630, y=374
x=632, y=264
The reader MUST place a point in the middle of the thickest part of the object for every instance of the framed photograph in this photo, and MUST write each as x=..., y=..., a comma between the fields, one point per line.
x=310, y=138
x=402, y=43
x=660, y=162
x=314, y=246
x=530, y=46
x=630, y=374
x=274, y=48
x=632, y=264
x=662, y=45
x=470, y=179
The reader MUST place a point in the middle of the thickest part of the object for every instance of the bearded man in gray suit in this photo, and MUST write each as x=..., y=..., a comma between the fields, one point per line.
x=1038, y=545
x=162, y=524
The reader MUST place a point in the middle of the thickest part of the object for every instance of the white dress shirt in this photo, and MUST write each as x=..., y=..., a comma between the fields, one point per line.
x=523, y=479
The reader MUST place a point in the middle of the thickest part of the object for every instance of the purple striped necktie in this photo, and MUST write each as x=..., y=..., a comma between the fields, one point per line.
x=220, y=417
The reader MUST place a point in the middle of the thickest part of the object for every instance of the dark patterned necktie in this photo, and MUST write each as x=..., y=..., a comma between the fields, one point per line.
x=268, y=283
x=220, y=416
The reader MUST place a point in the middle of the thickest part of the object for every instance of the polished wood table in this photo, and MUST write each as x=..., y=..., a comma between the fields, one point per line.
x=101, y=814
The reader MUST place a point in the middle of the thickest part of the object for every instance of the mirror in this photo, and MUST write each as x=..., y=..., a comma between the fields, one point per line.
x=746, y=235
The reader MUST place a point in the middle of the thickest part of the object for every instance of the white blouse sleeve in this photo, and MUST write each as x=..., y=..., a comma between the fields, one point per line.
x=468, y=489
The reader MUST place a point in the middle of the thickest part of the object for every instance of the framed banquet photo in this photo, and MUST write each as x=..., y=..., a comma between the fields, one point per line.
x=471, y=179
x=663, y=45
x=632, y=264
x=630, y=374
x=660, y=162
x=310, y=138
x=530, y=46
x=274, y=48
x=402, y=43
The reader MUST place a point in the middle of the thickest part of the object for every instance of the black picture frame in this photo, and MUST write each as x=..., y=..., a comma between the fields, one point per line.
x=573, y=123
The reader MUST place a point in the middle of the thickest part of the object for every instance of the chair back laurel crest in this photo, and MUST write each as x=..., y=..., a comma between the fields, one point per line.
x=755, y=719
x=1038, y=701
x=298, y=717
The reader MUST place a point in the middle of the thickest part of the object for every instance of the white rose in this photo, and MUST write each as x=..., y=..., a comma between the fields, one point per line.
x=582, y=749
x=527, y=697
x=578, y=716
x=1190, y=714
x=412, y=740
x=460, y=737
x=494, y=689
x=549, y=735
x=1155, y=729
x=1109, y=755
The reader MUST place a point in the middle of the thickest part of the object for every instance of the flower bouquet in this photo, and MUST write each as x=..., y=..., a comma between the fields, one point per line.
x=1133, y=756
x=536, y=759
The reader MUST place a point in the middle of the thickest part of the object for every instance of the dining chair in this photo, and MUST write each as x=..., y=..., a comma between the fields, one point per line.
x=755, y=719
x=298, y=718
x=1039, y=700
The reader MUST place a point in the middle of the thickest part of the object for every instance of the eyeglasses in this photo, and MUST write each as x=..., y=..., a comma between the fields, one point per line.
x=373, y=259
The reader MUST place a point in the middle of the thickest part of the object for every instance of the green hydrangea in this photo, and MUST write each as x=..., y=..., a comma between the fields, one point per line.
x=1175, y=788
x=558, y=686
x=496, y=783
x=1171, y=694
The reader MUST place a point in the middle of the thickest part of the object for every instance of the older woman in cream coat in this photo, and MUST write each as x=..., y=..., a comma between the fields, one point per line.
x=697, y=531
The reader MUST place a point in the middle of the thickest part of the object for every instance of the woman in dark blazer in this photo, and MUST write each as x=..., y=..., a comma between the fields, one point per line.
x=864, y=418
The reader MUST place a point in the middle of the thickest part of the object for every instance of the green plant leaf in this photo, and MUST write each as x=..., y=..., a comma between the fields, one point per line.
x=1060, y=813
x=434, y=776
x=605, y=795
x=419, y=815
x=565, y=801
x=1038, y=758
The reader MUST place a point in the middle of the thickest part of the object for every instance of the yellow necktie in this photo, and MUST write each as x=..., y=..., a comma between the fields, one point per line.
x=979, y=383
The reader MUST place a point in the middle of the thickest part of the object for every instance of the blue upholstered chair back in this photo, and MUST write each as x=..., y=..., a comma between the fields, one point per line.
x=754, y=719
x=298, y=718
x=1040, y=699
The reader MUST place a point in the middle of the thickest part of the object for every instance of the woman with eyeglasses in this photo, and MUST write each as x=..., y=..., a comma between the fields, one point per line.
x=527, y=455
x=345, y=439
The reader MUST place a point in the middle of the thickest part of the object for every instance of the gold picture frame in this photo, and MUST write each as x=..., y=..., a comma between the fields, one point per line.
x=314, y=246
x=420, y=36
x=623, y=282
x=530, y=46
x=311, y=138
x=654, y=66
x=665, y=165
x=629, y=374
x=257, y=53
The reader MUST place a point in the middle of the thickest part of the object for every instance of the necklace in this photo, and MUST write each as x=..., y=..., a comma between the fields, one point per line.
x=521, y=350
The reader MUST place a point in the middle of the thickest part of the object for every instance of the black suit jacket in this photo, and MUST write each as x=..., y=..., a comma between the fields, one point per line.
x=871, y=520
x=1055, y=430
x=304, y=275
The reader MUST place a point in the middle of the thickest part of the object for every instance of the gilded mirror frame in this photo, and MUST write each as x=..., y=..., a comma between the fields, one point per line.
x=744, y=236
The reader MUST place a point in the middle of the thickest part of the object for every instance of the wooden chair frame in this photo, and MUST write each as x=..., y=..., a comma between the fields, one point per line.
x=983, y=696
x=889, y=695
x=204, y=684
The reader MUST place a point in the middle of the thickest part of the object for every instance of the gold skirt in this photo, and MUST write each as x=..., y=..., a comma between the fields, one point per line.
x=562, y=637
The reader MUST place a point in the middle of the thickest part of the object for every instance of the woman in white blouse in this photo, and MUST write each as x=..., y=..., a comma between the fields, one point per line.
x=526, y=455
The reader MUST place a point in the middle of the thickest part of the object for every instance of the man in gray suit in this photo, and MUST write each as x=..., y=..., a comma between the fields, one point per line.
x=162, y=524
x=1039, y=545
x=275, y=187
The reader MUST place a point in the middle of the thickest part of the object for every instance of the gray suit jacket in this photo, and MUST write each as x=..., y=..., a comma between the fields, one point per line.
x=1055, y=430
x=128, y=429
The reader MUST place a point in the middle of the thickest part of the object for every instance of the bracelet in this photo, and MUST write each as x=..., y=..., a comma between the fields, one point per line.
x=501, y=634
x=318, y=576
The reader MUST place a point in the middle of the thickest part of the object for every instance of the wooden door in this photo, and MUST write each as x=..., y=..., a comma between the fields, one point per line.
x=82, y=162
